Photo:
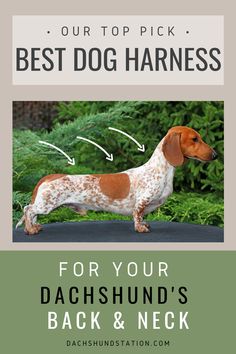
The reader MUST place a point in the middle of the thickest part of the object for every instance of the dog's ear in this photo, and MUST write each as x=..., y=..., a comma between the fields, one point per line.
x=172, y=150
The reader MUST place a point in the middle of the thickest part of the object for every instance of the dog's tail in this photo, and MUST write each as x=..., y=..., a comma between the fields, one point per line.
x=20, y=222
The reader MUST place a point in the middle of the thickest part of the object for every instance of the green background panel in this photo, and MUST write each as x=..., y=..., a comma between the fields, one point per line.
x=208, y=276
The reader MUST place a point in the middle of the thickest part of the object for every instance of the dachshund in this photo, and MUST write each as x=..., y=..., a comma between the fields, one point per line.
x=137, y=191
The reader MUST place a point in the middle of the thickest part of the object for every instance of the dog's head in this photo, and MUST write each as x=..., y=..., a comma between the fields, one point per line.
x=183, y=143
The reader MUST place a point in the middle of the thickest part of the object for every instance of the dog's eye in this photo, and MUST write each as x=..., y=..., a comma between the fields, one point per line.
x=195, y=139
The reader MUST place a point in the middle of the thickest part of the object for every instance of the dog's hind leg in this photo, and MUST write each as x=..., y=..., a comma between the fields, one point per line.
x=30, y=219
x=31, y=212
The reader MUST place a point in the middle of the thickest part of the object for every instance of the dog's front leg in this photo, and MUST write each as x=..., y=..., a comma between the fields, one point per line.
x=138, y=213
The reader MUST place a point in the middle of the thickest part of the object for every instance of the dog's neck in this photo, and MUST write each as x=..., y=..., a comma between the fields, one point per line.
x=158, y=158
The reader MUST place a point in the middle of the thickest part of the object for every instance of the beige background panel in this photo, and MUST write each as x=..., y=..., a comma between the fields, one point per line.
x=31, y=32
x=132, y=7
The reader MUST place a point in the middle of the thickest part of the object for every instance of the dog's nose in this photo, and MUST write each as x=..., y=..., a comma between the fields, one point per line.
x=214, y=155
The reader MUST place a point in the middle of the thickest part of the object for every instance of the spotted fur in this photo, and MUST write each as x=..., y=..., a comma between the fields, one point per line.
x=136, y=192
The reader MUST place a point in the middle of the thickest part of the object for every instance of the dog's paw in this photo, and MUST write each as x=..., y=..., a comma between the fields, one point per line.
x=142, y=228
x=38, y=227
x=147, y=225
x=33, y=230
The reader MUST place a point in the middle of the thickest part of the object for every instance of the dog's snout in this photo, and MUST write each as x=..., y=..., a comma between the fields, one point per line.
x=214, y=155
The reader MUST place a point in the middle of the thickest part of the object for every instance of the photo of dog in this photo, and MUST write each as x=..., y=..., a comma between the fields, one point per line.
x=128, y=171
x=137, y=191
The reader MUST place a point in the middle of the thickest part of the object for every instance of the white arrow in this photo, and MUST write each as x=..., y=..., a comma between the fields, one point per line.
x=140, y=147
x=70, y=161
x=108, y=157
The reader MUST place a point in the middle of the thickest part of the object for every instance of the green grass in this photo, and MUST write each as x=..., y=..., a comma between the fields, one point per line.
x=205, y=209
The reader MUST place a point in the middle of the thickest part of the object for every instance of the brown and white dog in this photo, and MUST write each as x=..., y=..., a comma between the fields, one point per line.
x=136, y=192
